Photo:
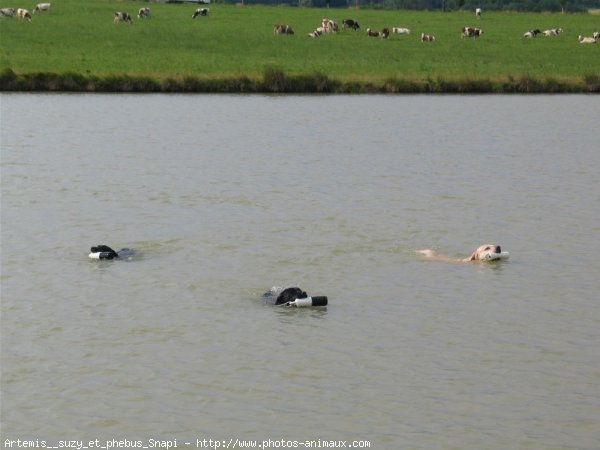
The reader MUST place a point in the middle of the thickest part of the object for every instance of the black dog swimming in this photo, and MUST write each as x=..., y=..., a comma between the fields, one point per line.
x=293, y=296
x=289, y=295
x=105, y=252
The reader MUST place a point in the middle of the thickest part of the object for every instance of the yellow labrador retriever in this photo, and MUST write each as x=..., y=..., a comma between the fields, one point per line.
x=486, y=252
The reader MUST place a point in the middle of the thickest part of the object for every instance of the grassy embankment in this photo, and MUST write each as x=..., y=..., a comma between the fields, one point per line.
x=77, y=47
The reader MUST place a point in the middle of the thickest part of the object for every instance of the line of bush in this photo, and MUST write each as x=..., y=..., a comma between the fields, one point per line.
x=275, y=80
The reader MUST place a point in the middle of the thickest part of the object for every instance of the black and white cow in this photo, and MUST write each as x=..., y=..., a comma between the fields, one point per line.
x=532, y=33
x=552, y=32
x=143, y=13
x=471, y=32
x=200, y=12
x=350, y=23
x=7, y=12
x=121, y=16
x=587, y=39
x=330, y=26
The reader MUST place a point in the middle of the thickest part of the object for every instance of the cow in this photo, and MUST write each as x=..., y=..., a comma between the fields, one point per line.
x=24, y=14
x=41, y=7
x=122, y=16
x=471, y=32
x=383, y=33
x=143, y=13
x=596, y=35
x=200, y=12
x=7, y=12
x=478, y=13
x=329, y=25
x=587, y=40
x=398, y=30
x=427, y=37
x=552, y=32
x=349, y=23
x=532, y=33
x=282, y=29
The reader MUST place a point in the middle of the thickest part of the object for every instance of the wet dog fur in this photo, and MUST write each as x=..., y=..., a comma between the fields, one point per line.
x=478, y=255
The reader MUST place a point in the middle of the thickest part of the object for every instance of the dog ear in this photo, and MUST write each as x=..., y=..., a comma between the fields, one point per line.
x=473, y=257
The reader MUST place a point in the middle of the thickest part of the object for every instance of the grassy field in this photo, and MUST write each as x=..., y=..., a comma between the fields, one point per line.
x=78, y=37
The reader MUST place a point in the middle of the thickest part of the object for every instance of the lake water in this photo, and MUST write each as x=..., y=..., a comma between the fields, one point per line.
x=223, y=197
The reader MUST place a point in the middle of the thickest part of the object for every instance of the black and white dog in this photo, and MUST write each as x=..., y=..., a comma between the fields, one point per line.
x=105, y=252
x=293, y=296
x=287, y=295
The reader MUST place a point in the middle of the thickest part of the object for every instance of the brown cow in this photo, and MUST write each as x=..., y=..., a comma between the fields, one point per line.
x=24, y=14
x=382, y=34
x=282, y=29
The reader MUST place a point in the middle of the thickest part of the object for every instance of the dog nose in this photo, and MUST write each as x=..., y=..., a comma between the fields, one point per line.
x=498, y=250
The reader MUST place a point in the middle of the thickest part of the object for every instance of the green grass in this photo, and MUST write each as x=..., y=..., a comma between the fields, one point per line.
x=237, y=43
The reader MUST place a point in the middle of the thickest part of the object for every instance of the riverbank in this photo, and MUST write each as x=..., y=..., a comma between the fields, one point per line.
x=278, y=82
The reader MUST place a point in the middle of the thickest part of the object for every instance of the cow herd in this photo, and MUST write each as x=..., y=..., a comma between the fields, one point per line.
x=557, y=31
x=23, y=13
x=330, y=26
x=119, y=16
x=327, y=25
x=144, y=13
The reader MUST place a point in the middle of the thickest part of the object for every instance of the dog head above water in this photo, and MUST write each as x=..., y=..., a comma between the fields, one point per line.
x=103, y=252
x=484, y=252
x=289, y=295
